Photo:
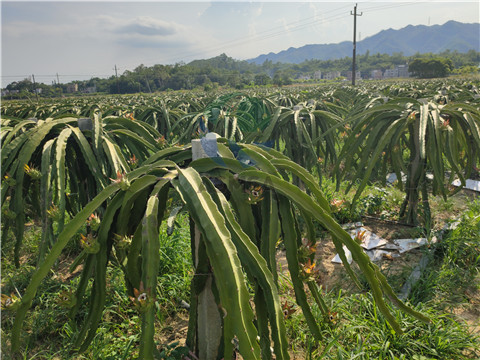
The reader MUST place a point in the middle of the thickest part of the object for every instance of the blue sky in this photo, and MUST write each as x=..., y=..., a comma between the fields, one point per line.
x=80, y=40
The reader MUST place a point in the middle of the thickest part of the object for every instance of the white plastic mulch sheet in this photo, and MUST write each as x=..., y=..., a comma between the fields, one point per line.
x=469, y=184
x=377, y=248
x=369, y=241
x=348, y=255
x=409, y=244
x=392, y=177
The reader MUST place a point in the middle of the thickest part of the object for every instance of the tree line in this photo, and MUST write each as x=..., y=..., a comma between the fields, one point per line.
x=225, y=71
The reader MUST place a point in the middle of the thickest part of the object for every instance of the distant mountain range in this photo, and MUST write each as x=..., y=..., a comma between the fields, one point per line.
x=409, y=40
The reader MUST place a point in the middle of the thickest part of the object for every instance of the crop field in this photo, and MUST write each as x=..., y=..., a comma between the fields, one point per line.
x=184, y=225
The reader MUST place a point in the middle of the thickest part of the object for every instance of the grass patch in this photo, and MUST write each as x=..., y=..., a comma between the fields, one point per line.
x=452, y=276
x=359, y=331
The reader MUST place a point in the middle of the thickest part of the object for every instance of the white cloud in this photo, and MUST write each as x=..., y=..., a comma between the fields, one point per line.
x=73, y=37
x=259, y=10
x=148, y=26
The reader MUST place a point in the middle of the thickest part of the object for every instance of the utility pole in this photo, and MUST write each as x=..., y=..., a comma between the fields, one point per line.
x=116, y=76
x=354, y=41
x=148, y=84
x=58, y=84
x=35, y=87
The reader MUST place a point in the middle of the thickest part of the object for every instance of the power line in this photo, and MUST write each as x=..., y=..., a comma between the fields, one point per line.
x=280, y=30
x=264, y=35
x=390, y=6
x=273, y=32
x=54, y=75
x=260, y=36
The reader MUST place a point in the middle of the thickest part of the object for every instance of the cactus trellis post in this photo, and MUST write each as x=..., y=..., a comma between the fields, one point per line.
x=207, y=335
x=85, y=124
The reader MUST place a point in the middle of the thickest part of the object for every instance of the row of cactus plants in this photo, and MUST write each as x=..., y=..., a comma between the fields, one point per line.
x=41, y=159
x=412, y=137
x=51, y=167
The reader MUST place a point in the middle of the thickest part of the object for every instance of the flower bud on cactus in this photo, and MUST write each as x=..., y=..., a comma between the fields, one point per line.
x=122, y=180
x=11, y=302
x=8, y=180
x=67, y=299
x=54, y=213
x=142, y=299
x=94, y=222
x=89, y=244
x=122, y=242
x=32, y=172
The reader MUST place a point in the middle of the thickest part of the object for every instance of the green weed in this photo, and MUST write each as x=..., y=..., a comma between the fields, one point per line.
x=119, y=333
x=359, y=331
x=455, y=263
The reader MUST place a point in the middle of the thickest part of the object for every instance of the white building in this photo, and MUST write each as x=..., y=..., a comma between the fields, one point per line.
x=332, y=75
x=390, y=73
x=397, y=71
x=376, y=74
x=403, y=71
x=358, y=75
x=71, y=88
x=317, y=75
